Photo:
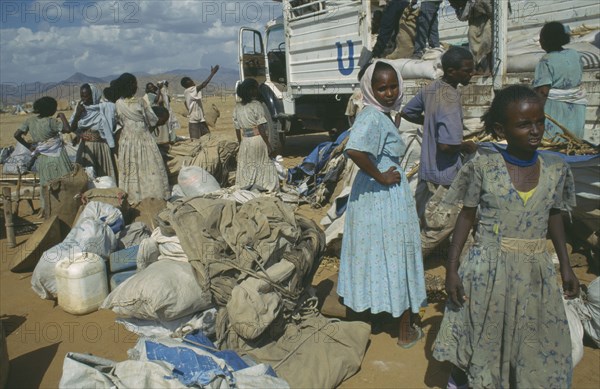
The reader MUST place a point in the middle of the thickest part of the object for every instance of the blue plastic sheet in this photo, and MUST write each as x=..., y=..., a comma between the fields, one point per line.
x=313, y=163
x=190, y=367
x=194, y=369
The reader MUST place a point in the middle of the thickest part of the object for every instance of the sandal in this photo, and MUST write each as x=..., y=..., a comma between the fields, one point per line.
x=420, y=335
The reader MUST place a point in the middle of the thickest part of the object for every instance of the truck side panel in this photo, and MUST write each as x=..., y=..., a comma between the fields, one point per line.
x=324, y=48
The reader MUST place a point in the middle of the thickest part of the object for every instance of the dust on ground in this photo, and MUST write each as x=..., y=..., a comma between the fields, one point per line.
x=39, y=333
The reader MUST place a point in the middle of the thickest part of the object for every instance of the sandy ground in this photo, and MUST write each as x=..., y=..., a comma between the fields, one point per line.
x=39, y=333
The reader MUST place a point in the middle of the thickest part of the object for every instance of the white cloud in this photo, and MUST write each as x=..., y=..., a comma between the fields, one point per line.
x=141, y=36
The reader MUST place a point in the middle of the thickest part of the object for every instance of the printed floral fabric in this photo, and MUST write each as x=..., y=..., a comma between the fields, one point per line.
x=512, y=331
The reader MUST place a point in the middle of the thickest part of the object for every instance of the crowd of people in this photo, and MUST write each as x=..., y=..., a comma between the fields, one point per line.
x=120, y=135
x=504, y=284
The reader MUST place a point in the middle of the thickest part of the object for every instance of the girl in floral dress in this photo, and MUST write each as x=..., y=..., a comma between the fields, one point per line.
x=505, y=324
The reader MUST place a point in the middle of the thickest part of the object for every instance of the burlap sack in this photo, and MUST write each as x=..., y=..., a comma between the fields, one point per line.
x=146, y=210
x=180, y=154
x=218, y=156
x=114, y=196
x=405, y=39
x=165, y=290
x=28, y=254
x=61, y=196
x=211, y=115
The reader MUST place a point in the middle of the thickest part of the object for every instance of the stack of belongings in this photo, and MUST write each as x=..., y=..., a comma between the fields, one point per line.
x=98, y=229
x=214, y=153
x=257, y=259
x=430, y=64
x=239, y=268
x=524, y=52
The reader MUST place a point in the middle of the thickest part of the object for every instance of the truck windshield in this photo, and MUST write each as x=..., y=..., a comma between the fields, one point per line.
x=275, y=39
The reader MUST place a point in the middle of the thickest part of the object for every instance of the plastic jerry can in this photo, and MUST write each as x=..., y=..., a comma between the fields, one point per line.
x=81, y=283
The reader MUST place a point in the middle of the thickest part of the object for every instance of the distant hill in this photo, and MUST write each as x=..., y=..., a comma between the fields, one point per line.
x=12, y=93
x=80, y=78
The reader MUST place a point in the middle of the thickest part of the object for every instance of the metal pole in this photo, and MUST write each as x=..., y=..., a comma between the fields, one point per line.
x=500, y=31
x=8, y=216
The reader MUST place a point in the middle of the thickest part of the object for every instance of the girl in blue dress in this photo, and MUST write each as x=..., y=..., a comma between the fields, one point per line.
x=381, y=266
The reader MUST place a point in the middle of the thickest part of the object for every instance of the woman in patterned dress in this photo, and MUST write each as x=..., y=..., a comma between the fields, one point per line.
x=142, y=172
x=381, y=266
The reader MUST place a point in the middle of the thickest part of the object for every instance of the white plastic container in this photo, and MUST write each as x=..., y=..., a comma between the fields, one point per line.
x=81, y=283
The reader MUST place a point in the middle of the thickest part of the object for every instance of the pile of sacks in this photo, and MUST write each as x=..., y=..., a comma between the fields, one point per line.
x=217, y=155
x=192, y=361
x=234, y=264
x=250, y=260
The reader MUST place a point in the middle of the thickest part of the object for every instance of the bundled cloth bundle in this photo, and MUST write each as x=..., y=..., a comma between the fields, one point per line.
x=258, y=259
x=225, y=242
x=217, y=155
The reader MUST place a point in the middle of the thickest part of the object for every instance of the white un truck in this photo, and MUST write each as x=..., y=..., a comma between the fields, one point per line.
x=307, y=60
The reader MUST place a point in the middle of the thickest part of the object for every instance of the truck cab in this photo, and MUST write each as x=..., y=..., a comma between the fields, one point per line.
x=306, y=63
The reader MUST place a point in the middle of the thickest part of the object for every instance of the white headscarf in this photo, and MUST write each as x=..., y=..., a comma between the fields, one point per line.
x=367, y=89
x=99, y=116
x=96, y=94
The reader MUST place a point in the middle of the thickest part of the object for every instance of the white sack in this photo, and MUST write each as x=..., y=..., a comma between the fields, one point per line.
x=165, y=290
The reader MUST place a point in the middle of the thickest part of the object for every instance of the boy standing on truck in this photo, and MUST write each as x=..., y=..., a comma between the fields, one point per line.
x=193, y=103
x=438, y=108
x=479, y=14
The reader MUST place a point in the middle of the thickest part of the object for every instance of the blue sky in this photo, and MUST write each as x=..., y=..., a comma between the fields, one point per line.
x=50, y=40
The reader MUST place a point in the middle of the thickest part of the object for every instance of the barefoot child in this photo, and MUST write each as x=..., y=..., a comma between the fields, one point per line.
x=381, y=266
x=505, y=324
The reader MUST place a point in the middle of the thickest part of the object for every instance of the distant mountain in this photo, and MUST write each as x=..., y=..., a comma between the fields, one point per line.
x=68, y=89
x=80, y=78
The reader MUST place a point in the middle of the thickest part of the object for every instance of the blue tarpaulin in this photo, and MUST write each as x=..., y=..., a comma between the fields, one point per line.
x=192, y=368
x=313, y=163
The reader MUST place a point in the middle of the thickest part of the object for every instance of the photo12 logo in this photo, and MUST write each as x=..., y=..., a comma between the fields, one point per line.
x=94, y=12
x=239, y=11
